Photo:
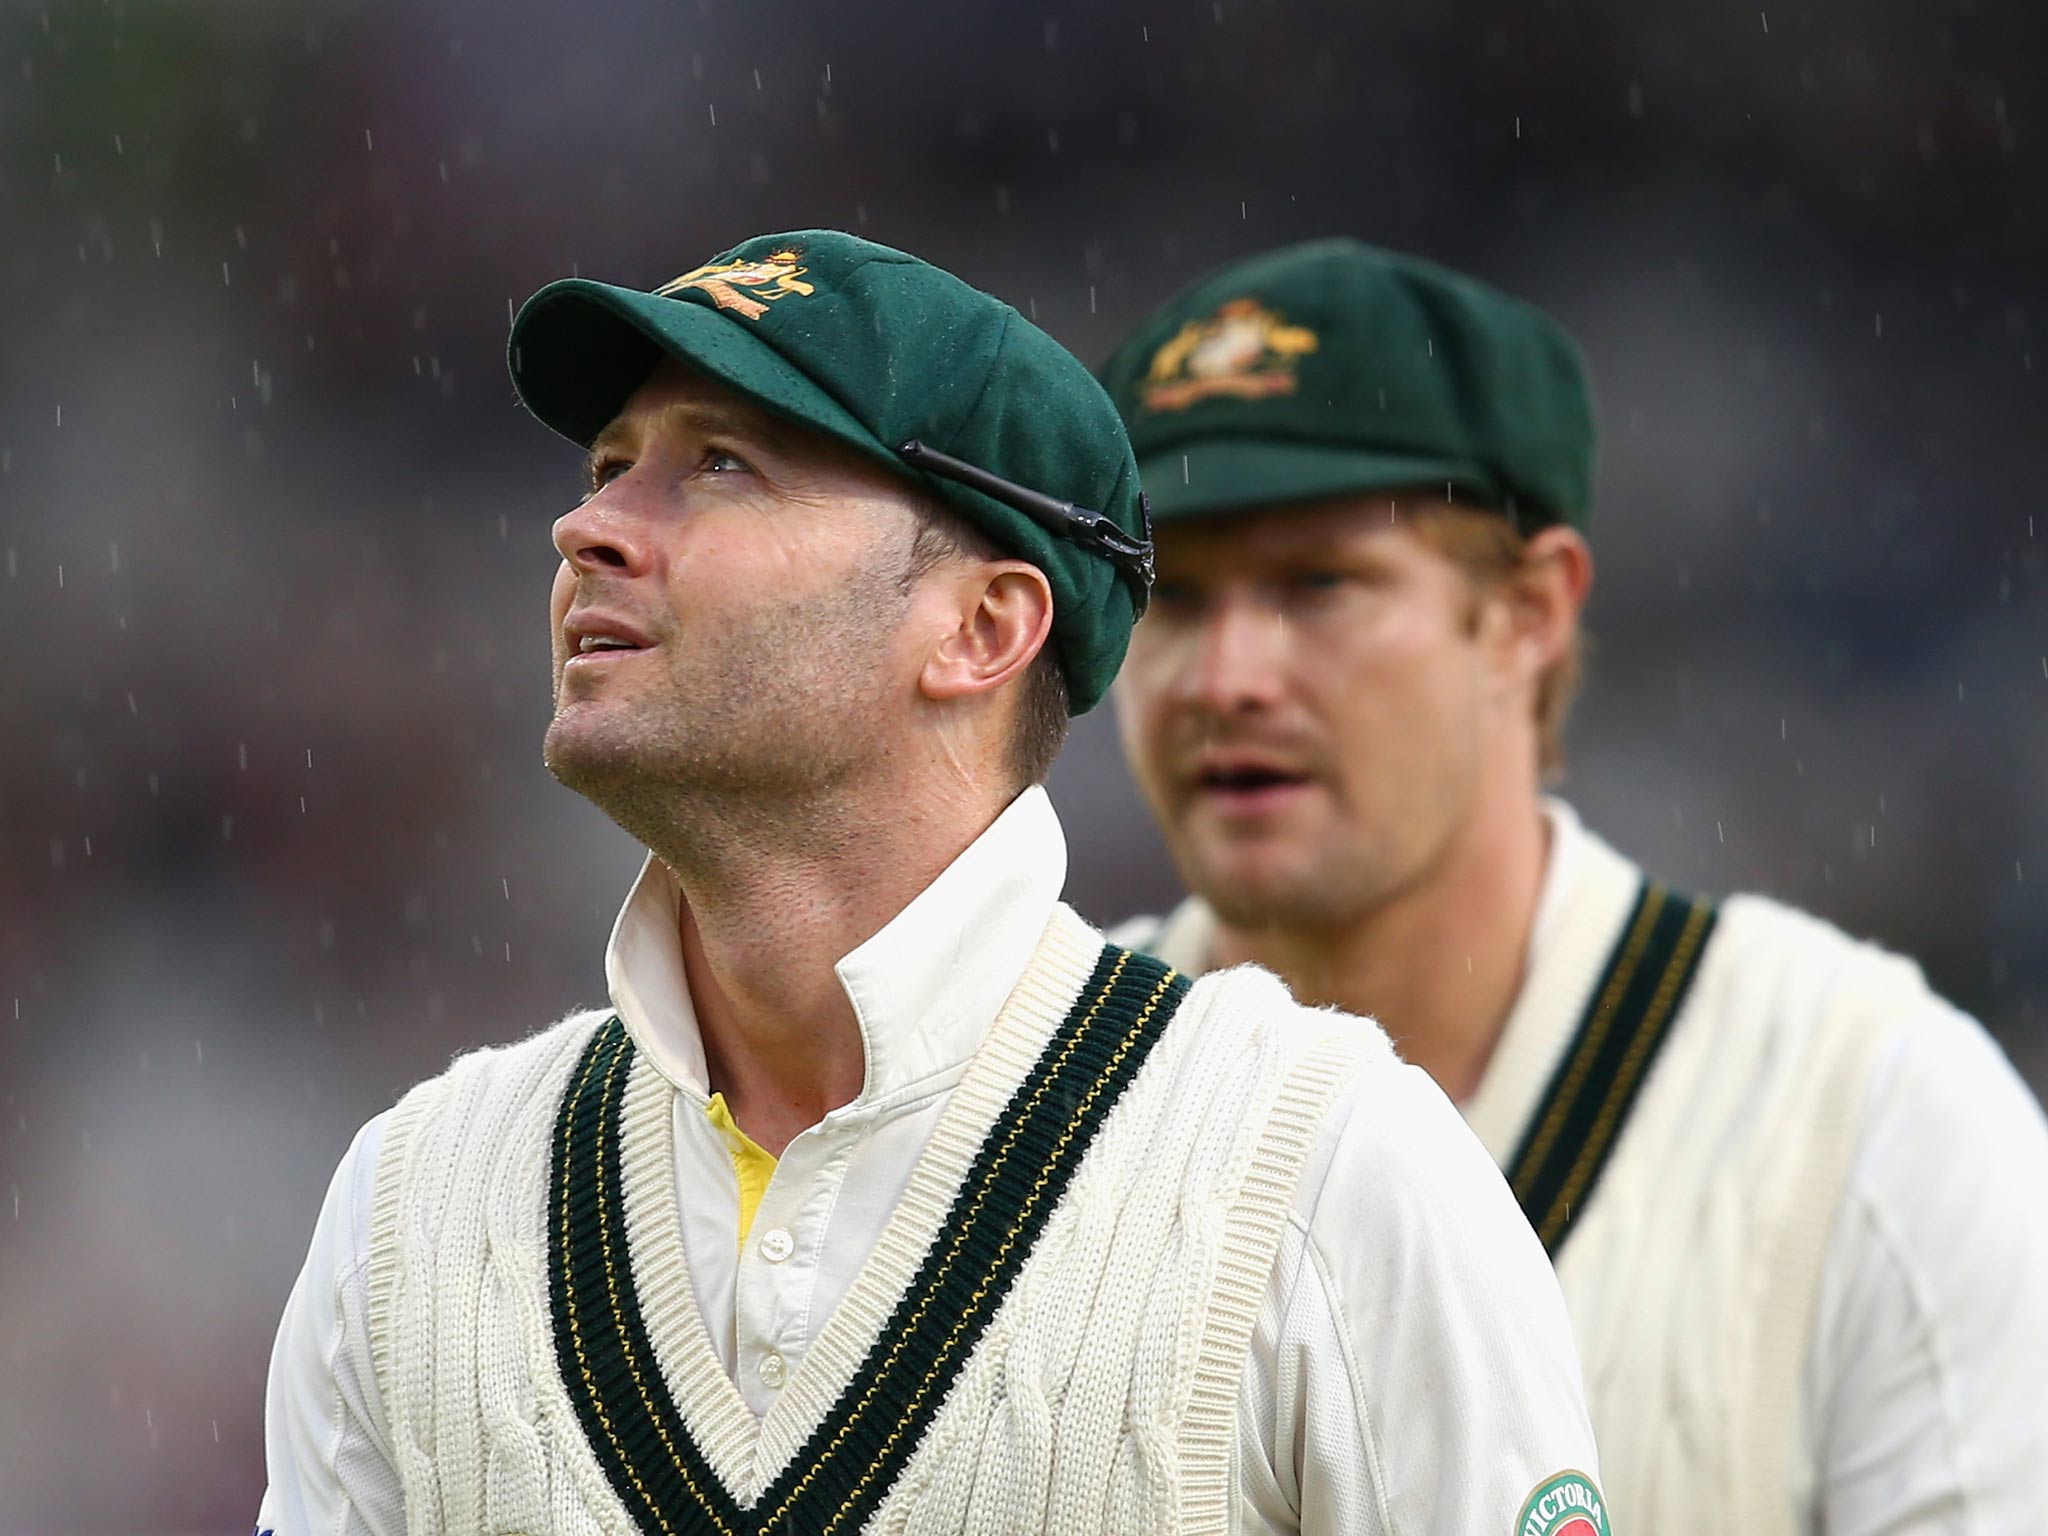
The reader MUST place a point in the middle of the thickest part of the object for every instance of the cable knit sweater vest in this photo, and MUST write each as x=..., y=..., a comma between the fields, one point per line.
x=1048, y=1336
x=1694, y=1273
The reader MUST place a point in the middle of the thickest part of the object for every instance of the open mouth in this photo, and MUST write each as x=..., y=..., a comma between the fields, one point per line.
x=1247, y=780
x=597, y=650
x=595, y=638
x=1249, y=786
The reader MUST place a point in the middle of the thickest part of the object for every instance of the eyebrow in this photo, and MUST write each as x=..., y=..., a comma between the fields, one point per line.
x=706, y=420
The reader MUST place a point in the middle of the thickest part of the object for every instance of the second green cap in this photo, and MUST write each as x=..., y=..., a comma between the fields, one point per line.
x=1336, y=368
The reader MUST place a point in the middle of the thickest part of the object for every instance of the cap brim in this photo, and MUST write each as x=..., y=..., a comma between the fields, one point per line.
x=1217, y=476
x=579, y=349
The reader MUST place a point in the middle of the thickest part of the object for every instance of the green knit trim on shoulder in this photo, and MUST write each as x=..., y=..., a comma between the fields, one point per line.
x=847, y=1467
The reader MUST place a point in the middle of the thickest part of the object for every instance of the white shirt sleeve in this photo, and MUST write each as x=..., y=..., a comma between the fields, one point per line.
x=325, y=1442
x=1924, y=1391
x=1413, y=1369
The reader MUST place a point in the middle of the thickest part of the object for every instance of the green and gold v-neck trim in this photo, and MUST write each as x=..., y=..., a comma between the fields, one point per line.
x=611, y=1360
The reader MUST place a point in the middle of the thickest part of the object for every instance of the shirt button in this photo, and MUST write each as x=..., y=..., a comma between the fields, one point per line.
x=777, y=1245
x=772, y=1370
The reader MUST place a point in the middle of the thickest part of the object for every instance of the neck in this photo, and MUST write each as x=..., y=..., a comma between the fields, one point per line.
x=767, y=911
x=1441, y=963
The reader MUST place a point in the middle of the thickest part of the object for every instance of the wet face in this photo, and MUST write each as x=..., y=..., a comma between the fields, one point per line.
x=1307, y=707
x=726, y=617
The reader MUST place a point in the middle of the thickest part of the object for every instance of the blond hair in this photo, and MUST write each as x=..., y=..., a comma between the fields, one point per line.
x=1491, y=550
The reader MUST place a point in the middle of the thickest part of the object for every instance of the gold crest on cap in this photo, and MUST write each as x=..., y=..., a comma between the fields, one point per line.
x=771, y=278
x=1246, y=352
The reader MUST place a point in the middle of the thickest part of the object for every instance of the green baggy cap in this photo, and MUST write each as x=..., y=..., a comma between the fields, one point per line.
x=949, y=387
x=1337, y=368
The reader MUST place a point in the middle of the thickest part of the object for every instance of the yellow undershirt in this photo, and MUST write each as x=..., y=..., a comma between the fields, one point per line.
x=752, y=1164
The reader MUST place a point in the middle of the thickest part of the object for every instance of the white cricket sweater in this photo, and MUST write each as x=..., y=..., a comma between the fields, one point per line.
x=1409, y=1369
x=1102, y=1398
x=1811, y=1288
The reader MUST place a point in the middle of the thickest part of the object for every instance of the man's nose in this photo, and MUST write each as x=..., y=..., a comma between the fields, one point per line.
x=600, y=535
x=1238, y=663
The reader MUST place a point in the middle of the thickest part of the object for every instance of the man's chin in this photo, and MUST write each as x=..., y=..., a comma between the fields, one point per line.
x=583, y=757
x=1246, y=889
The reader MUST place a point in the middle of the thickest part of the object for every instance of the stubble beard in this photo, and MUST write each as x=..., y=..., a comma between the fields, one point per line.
x=1310, y=891
x=749, y=736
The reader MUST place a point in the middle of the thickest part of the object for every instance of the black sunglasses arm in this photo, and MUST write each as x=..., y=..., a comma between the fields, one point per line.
x=1132, y=557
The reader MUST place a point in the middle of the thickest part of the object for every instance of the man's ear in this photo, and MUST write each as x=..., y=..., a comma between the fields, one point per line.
x=1545, y=596
x=1004, y=610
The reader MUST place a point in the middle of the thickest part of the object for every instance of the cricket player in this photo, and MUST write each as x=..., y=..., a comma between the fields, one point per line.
x=885, y=1195
x=1798, y=1204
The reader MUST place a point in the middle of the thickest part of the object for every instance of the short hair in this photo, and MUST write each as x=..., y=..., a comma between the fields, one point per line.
x=1040, y=727
x=1490, y=548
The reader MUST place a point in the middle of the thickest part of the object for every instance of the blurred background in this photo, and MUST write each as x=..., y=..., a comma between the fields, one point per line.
x=275, y=839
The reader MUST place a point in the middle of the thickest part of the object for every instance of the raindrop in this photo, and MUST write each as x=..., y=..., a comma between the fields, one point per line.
x=708, y=107
x=1766, y=20
x=368, y=142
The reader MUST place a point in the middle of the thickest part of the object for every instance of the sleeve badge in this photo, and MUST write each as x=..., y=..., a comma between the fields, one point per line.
x=1568, y=1504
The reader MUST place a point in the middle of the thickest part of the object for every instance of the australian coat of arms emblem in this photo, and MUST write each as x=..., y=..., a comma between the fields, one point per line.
x=746, y=286
x=1246, y=352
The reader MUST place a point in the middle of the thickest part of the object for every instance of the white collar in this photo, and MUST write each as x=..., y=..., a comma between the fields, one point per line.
x=1588, y=890
x=925, y=988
